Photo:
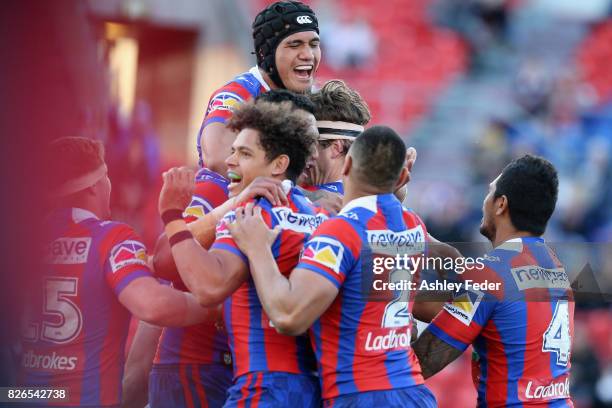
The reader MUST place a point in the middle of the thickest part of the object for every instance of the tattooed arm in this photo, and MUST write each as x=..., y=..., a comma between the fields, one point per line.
x=434, y=354
x=332, y=202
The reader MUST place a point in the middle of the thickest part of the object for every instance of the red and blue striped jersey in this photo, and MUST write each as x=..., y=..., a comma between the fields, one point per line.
x=77, y=327
x=333, y=187
x=522, y=329
x=255, y=344
x=204, y=343
x=361, y=343
x=224, y=100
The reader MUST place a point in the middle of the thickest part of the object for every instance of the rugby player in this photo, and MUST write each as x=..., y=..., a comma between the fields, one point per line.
x=521, y=328
x=341, y=115
x=95, y=275
x=270, y=369
x=357, y=366
x=286, y=42
x=191, y=366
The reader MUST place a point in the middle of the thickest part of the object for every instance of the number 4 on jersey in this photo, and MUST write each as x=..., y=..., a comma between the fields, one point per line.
x=557, y=337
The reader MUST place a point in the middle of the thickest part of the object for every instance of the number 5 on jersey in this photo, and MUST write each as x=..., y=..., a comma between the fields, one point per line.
x=64, y=321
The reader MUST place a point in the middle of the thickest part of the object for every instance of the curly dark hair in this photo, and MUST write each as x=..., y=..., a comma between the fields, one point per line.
x=531, y=185
x=282, y=130
x=300, y=101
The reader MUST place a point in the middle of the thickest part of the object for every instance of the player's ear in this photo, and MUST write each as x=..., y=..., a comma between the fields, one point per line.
x=280, y=165
x=403, y=178
x=337, y=147
x=501, y=205
x=348, y=164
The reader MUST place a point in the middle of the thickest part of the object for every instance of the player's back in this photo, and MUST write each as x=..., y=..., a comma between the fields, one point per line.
x=77, y=327
x=255, y=344
x=522, y=332
x=363, y=344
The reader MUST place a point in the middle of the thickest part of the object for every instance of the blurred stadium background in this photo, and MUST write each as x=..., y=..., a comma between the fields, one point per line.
x=470, y=83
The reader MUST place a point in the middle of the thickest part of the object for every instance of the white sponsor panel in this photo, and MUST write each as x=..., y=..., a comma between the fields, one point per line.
x=381, y=340
x=531, y=390
x=68, y=251
x=535, y=276
x=410, y=242
x=464, y=306
x=302, y=223
x=53, y=361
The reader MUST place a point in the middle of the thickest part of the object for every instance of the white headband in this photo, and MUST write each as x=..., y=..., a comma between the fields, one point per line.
x=338, y=130
x=81, y=183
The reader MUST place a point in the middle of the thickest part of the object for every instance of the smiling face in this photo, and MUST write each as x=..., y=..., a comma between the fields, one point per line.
x=247, y=161
x=297, y=59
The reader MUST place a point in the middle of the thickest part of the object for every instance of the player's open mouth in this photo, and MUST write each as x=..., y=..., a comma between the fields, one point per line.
x=234, y=177
x=303, y=71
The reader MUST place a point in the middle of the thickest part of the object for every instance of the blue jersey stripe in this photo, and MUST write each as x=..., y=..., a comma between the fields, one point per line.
x=446, y=338
x=227, y=318
x=256, y=335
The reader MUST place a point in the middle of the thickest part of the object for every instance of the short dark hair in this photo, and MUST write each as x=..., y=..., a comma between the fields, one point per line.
x=282, y=130
x=531, y=185
x=68, y=158
x=299, y=101
x=378, y=157
x=336, y=101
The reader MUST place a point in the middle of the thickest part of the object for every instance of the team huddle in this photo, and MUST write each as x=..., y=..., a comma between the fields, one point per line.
x=254, y=294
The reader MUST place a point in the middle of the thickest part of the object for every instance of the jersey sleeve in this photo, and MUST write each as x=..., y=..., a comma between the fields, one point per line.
x=209, y=193
x=462, y=319
x=223, y=101
x=332, y=251
x=126, y=260
x=223, y=238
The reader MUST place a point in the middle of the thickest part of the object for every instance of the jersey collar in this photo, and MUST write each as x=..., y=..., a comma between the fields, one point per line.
x=257, y=74
x=80, y=214
x=367, y=202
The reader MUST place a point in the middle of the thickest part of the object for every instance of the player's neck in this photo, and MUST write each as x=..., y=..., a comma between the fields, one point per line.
x=353, y=191
x=332, y=175
x=335, y=173
x=506, y=234
x=267, y=79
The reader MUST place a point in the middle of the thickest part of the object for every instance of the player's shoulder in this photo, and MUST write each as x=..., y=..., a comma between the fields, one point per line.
x=116, y=231
x=241, y=88
x=412, y=214
x=359, y=210
x=206, y=175
x=340, y=226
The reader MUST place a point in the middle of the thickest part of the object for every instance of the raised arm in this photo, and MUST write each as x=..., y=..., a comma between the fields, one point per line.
x=216, y=141
x=210, y=275
x=203, y=228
